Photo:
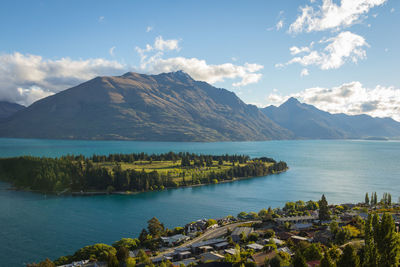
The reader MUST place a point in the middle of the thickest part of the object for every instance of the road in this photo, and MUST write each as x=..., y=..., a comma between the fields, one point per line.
x=211, y=233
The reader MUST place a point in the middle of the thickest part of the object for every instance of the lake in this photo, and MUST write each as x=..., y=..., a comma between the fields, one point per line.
x=35, y=226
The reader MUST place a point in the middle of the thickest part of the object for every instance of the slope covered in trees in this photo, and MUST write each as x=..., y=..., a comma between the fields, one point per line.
x=130, y=172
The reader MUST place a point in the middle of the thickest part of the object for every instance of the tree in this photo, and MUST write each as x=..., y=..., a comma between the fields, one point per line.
x=45, y=263
x=389, y=247
x=299, y=260
x=366, y=199
x=313, y=252
x=112, y=261
x=370, y=252
x=129, y=243
x=349, y=258
x=327, y=261
x=275, y=261
x=323, y=209
x=122, y=254
x=155, y=227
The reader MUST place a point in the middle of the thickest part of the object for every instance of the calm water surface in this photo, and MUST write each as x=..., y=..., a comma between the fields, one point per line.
x=34, y=226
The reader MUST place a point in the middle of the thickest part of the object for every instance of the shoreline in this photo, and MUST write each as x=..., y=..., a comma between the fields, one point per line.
x=102, y=193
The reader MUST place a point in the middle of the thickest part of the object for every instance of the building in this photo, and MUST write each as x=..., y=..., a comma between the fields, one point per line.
x=255, y=246
x=174, y=240
x=211, y=256
x=296, y=219
x=196, y=246
x=238, y=231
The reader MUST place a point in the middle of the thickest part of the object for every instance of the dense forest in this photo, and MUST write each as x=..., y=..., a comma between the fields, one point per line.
x=130, y=172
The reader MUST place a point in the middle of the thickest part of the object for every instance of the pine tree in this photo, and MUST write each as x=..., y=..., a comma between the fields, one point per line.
x=375, y=199
x=370, y=253
x=299, y=260
x=389, y=248
x=323, y=209
x=349, y=258
x=327, y=261
x=366, y=199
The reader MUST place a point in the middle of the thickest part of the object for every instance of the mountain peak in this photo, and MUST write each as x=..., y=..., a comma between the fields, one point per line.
x=180, y=75
x=292, y=100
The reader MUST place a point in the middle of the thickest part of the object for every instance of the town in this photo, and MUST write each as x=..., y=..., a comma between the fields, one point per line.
x=299, y=234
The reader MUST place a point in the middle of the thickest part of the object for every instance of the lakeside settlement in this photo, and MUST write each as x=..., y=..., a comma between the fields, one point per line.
x=299, y=234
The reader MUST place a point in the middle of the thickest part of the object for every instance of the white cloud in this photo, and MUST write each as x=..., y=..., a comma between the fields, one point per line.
x=101, y=18
x=27, y=78
x=165, y=45
x=392, y=10
x=341, y=48
x=199, y=69
x=294, y=50
x=111, y=51
x=149, y=28
x=350, y=98
x=330, y=15
x=304, y=72
x=279, y=25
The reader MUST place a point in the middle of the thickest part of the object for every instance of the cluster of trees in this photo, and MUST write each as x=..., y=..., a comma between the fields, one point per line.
x=386, y=199
x=77, y=173
x=300, y=207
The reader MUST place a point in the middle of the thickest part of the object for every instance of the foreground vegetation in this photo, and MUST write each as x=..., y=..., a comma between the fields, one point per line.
x=130, y=172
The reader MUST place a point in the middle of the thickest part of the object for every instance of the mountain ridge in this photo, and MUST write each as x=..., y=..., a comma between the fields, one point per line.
x=308, y=122
x=164, y=107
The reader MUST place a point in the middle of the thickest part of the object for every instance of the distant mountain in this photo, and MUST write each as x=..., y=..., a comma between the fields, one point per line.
x=308, y=122
x=165, y=107
x=7, y=109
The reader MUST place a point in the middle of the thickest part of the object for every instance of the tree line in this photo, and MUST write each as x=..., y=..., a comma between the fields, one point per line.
x=79, y=173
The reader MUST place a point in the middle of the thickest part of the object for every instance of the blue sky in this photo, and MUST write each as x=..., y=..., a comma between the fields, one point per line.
x=349, y=60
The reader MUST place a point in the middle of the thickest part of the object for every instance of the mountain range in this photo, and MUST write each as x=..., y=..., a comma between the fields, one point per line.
x=174, y=107
x=7, y=109
x=165, y=107
x=307, y=122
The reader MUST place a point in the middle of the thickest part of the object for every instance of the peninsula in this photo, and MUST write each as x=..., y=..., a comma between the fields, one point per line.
x=129, y=173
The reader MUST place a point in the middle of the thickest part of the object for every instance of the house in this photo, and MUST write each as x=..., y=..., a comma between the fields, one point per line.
x=286, y=250
x=315, y=263
x=277, y=241
x=296, y=219
x=184, y=255
x=211, y=256
x=255, y=246
x=222, y=245
x=323, y=236
x=196, y=226
x=76, y=263
x=174, y=240
x=259, y=258
x=231, y=251
x=301, y=226
x=196, y=246
x=297, y=238
x=238, y=231
x=185, y=262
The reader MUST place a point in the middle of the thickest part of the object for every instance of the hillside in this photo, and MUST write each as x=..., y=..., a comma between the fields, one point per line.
x=165, y=107
x=308, y=122
x=7, y=109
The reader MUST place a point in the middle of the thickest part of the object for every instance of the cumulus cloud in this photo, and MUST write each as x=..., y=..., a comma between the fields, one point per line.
x=350, y=98
x=333, y=16
x=339, y=49
x=27, y=78
x=279, y=25
x=304, y=72
x=153, y=61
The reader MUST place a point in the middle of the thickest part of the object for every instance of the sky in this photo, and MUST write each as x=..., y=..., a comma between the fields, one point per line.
x=341, y=56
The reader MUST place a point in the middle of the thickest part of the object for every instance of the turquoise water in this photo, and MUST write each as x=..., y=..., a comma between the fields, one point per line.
x=34, y=226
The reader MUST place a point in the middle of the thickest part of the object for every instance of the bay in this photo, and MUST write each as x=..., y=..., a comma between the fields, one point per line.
x=35, y=226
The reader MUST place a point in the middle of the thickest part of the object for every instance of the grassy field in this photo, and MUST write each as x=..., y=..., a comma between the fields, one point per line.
x=174, y=169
